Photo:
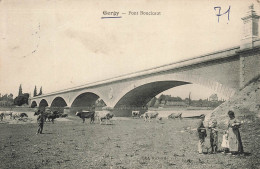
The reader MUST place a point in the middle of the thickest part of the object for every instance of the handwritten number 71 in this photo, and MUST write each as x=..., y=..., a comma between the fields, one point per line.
x=219, y=14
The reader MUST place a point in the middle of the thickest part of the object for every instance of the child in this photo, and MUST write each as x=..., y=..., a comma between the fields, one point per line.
x=213, y=136
x=225, y=143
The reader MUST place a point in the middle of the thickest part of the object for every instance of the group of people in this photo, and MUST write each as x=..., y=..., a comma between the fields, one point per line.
x=231, y=142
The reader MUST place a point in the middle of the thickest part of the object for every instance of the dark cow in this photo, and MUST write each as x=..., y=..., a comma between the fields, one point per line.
x=19, y=115
x=52, y=116
x=86, y=114
x=48, y=114
x=38, y=112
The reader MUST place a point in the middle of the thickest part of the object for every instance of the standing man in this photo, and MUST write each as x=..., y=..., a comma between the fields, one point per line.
x=40, y=121
x=202, y=134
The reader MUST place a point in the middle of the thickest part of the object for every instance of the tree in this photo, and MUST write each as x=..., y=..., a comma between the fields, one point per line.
x=20, y=90
x=21, y=99
x=35, y=92
x=40, y=93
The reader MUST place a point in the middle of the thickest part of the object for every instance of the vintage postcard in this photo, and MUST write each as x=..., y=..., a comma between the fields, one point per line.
x=129, y=84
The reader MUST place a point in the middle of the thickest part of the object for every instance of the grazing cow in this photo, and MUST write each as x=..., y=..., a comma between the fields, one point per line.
x=59, y=113
x=149, y=115
x=104, y=115
x=38, y=112
x=135, y=114
x=174, y=116
x=51, y=117
x=19, y=115
x=6, y=113
x=48, y=115
x=86, y=114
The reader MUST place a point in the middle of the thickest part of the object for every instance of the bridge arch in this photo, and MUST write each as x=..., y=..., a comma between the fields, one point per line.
x=84, y=100
x=34, y=104
x=43, y=103
x=159, y=83
x=58, y=102
x=141, y=95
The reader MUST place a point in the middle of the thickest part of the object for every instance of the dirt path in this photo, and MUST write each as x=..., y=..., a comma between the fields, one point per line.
x=127, y=143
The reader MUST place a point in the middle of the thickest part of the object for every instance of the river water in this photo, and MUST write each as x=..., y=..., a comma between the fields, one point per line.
x=185, y=113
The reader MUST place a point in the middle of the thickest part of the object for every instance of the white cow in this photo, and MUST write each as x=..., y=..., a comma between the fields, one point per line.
x=149, y=115
x=103, y=115
x=175, y=115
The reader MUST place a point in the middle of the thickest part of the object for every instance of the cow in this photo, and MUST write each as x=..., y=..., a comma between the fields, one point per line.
x=48, y=114
x=84, y=114
x=59, y=113
x=51, y=117
x=38, y=112
x=19, y=115
x=135, y=114
x=6, y=113
x=104, y=115
x=174, y=116
x=149, y=115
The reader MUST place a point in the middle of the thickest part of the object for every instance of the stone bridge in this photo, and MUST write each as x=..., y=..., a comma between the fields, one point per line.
x=225, y=71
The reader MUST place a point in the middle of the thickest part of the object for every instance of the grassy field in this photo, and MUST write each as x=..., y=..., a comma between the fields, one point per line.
x=125, y=143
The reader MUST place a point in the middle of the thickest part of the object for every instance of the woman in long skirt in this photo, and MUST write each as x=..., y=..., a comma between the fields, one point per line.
x=234, y=138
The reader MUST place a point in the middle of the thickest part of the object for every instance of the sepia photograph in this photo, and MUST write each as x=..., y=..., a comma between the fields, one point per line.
x=120, y=84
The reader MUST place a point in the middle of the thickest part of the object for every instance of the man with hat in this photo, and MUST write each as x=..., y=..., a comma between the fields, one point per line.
x=40, y=120
x=202, y=133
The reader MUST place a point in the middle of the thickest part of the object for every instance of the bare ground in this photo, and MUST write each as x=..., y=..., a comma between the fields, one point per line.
x=127, y=143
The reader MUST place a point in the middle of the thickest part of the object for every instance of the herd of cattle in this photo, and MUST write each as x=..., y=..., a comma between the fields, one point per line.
x=19, y=115
x=92, y=115
x=12, y=115
x=107, y=115
x=99, y=115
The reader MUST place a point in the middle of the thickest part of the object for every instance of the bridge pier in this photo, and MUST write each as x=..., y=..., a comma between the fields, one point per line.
x=249, y=48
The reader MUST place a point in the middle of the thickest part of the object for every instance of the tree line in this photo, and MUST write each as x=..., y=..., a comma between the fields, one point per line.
x=168, y=100
x=21, y=99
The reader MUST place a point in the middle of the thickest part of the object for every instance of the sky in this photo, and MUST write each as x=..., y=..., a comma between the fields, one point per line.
x=61, y=44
